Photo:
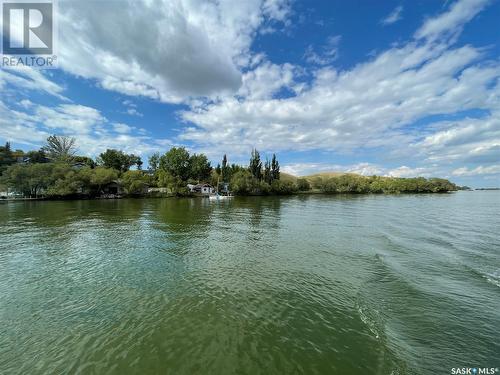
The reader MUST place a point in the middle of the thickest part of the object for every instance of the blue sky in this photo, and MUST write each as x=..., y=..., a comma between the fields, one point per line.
x=401, y=88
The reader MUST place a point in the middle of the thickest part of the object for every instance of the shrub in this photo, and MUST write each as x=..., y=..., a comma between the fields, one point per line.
x=303, y=184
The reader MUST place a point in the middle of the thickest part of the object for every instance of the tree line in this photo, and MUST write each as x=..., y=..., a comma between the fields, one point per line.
x=55, y=170
x=351, y=183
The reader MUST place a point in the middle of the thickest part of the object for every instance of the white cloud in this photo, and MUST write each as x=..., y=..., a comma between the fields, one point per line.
x=304, y=169
x=393, y=17
x=94, y=133
x=185, y=48
x=481, y=170
x=364, y=169
x=371, y=106
x=25, y=103
x=69, y=118
x=131, y=108
x=30, y=79
x=405, y=171
x=366, y=106
x=468, y=140
x=451, y=22
x=122, y=128
x=19, y=127
x=134, y=112
x=328, y=53
x=266, y=80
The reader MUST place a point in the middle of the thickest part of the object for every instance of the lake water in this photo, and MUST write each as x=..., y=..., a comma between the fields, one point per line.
x=368, y=284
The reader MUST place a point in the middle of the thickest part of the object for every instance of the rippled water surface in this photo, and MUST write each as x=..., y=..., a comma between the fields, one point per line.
x=315, y=285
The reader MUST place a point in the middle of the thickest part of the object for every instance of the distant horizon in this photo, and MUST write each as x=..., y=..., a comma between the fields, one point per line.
x=392, y=89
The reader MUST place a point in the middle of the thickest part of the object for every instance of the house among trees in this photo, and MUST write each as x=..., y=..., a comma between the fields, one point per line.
x=111, y=189
x=204, y=189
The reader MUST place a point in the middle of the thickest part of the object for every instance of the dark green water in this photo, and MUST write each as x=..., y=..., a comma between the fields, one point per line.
x=315, y=285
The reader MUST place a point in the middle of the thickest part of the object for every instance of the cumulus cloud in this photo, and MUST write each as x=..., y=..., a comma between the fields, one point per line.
x=469, y=140
x=393, y=17
x=165, y=50
x=372, y=106
x=266, y=80
x=366, y=106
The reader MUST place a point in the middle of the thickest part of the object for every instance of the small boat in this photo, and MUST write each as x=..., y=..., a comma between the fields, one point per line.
x=218, y=197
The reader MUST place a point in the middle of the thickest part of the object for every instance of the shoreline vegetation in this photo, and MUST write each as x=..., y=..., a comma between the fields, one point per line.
x=56, y=172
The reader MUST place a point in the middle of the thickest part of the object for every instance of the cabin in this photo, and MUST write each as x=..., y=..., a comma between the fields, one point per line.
x=204, y=189
x=79, y=165
x=11, y=194
x=28, y=160
x=112, y=189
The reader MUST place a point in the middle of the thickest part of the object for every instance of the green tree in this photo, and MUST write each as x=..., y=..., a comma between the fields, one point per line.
x=283, y=187
x=60, y=148
x=243, y=182
x=225, y=170
x=134, y=182
x=176, y=162
x=215, y=177
x=66, y=184
x=137, y=161
x=102, y=176
x=268, y=177
x=275, y=168
x=255, y=166
x=318, y=183
x=303, y=184
x=119, y=160
x=154, y=162
x=236, y=168
x=200, y=168
x=84, y=160
x=34, y=157
x=174, y=184
x=6, y=157
x=30, y=179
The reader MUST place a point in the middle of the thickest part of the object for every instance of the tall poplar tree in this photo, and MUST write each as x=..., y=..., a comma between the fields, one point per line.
x=268, y=177
x=255, y=166
x=275, y=168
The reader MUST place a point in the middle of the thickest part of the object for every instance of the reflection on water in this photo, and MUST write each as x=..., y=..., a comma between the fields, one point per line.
x=308, y=284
